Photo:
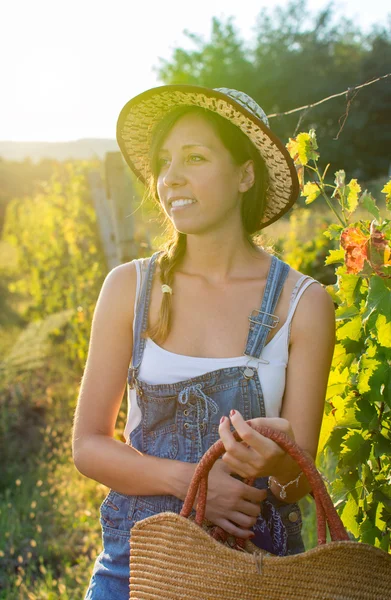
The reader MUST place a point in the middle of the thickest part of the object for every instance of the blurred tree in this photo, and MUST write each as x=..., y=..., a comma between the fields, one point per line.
x=298, y=58
x=221, y=62
x=371, y=136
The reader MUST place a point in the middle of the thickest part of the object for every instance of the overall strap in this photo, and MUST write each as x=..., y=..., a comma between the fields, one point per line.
x=141, y=317
x=261, y=321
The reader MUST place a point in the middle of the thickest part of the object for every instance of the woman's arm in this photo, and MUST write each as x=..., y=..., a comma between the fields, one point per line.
x=96, y=453
x=311, y=351
x=310, y=356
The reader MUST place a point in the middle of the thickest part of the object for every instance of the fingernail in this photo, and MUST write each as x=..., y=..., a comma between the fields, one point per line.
x=222, y=420
x=231, y=414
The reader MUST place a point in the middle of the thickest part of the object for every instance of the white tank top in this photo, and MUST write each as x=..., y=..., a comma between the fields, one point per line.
x=161, y=366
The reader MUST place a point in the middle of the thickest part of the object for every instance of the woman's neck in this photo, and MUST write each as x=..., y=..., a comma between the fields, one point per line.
x=220, y=260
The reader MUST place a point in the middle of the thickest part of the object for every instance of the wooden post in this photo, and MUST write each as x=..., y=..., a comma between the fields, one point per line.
x=103, y=216
x=121, y=196
x=114, y=202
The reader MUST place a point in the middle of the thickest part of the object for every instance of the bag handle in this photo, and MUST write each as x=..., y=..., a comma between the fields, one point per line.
x=325, y=511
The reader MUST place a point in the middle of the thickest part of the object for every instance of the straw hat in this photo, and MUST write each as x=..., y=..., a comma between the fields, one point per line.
x=139, y=116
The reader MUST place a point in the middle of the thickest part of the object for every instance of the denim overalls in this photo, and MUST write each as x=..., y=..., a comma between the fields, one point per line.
x=181, y=421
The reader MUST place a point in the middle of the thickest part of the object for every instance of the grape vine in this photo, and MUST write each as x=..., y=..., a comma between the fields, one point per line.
x=356, y=426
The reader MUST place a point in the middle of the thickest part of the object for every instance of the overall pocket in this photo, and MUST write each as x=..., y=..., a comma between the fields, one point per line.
x=163, y=442
x=160, y=435
x=116, y=513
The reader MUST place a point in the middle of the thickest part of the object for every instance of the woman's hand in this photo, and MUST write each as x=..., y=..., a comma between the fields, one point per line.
x=256, y=456
x=230, y=503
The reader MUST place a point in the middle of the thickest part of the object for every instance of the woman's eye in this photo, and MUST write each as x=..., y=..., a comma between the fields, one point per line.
x=197, y=157
x=194, y=158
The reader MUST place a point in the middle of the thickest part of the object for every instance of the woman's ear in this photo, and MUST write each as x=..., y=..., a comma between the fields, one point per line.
x=247, y=176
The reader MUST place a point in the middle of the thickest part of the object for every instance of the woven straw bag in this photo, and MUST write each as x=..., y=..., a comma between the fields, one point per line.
x=174, y=558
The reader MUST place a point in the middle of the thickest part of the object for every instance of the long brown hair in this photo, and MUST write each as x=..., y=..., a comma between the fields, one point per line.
x=252, y=209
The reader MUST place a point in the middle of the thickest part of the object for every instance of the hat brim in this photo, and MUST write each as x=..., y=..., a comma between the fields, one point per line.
x=139, y=116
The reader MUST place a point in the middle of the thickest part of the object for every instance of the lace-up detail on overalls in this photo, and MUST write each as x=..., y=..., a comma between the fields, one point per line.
x=203, y=406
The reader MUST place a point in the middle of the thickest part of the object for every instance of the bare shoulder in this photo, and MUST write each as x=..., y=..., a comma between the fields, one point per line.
x=315, y=312
x=118, y=291
x=314, y=294
x=123, y=276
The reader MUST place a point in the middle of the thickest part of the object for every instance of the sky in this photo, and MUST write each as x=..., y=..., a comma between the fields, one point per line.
x=69, y=68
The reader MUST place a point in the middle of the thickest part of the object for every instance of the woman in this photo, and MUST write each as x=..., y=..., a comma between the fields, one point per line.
x=219, y=333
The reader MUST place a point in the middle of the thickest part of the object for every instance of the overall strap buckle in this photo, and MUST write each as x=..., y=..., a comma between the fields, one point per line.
x=274, y=319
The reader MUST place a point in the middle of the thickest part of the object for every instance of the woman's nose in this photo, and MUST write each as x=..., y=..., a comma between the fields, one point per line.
x=174, y=175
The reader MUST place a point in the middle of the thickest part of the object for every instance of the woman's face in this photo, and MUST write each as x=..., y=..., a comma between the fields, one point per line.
x=194, y=164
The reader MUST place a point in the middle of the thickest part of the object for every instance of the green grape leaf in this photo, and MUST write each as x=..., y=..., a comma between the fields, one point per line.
x=349, y=516
x=303, y=148
x=372, y=350
x=335, y=256
x=365, y=412
x=383, y=330
x=354, y=189
x=382, y=495
x=339, y=355
x=385, y=513
x=347, y=484
x=387, y=191
x=333, y=232
x=342, y=358
x=335, y=440
x=352, y=347
x=349, y=288
x=367, y=478
x=368, y=532
x=337, y=382
x=379, y=383
x=328, y=424
x=352, y=329
x=374, y=424
x=337, y=388
x=382, y=446
x=346, y=312
x=349, y=419
x=355, y=448
x=369, y=203
x=367, y=367
x=385, y=541
x=332, y=290
x=344, y=412
x=310, y=191
x=379, y=298
x=387, y=389
x=339, y=492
